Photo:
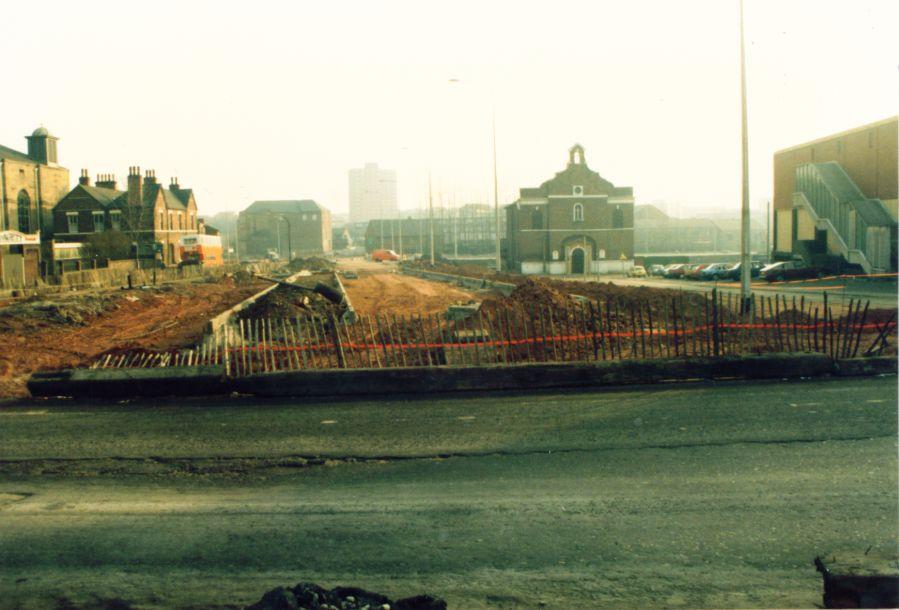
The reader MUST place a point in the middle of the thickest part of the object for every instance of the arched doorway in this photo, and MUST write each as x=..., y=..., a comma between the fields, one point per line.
x=577, y=260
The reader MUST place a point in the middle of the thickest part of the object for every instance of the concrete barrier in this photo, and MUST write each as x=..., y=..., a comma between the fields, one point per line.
x=349, y=315
x=129, y=382
x=203, y=381
x=224, y=318
x=473, y=283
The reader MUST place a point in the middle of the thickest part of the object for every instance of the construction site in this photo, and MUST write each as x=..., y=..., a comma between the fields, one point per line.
x=316, y=313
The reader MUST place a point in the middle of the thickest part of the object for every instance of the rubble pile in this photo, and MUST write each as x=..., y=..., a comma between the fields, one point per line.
x=288, y=302
x=66, y=312
x=310, y=596
x=313, y=264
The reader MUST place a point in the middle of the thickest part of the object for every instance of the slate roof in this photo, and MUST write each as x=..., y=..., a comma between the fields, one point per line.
x=283, y=206
x=102, y=195
x=9, y=153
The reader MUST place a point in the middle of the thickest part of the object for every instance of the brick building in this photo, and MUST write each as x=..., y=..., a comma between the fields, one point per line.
x=575, y=223
x=151, y=215
x=835, y=199
x=288, y=227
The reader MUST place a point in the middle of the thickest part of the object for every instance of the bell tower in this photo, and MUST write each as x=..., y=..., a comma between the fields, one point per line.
x=42, y=146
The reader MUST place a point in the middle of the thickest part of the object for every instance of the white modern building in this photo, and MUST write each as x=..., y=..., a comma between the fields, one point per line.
x=372, y=193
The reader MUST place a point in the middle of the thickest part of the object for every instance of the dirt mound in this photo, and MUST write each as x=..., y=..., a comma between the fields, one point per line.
x=65, y=311
x=286, y=302
x=314, y=264
x=313, y=597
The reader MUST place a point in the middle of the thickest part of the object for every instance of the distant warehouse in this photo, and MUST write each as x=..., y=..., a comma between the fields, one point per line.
x=286, y=228
x=835, y=199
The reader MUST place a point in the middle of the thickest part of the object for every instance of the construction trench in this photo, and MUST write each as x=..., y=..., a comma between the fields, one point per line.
x=304, y=323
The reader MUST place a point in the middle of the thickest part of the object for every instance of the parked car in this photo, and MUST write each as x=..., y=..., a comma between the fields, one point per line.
x=715, y=271
x=790, y=270
x=675, y=271
x=694, y=272
x=379, y=256
x=733, y=273
x=656, y=270
x=637, y=271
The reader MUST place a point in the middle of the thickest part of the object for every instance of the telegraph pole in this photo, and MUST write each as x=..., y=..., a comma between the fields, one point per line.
x=499, y=265
x=745, y=269
x=431, y=217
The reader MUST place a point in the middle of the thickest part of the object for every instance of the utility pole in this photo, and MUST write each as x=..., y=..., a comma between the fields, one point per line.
x=499, y=265
x=431, y=217
x=745, y=269
x=455, y=228
x=768, y=231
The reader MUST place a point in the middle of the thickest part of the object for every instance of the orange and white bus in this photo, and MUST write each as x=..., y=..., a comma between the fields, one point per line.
x=201, y=250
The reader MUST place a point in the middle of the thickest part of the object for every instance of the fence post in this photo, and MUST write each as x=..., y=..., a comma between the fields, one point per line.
x=715, y=320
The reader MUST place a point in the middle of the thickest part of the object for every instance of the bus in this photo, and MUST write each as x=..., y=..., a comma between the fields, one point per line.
x=201, y=250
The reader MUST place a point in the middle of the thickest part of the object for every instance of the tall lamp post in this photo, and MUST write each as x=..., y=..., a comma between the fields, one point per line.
x=745, y=270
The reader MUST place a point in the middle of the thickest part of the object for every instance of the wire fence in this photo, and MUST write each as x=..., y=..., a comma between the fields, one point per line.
x=700, y=326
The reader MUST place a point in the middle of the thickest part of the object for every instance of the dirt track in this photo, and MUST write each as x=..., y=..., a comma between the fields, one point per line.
x=74, y=330
x=379, y=289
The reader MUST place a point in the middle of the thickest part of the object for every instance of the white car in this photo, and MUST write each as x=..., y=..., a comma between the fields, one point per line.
x=637, y=271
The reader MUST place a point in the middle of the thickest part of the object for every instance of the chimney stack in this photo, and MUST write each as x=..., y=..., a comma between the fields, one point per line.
x=135, y=186
x=106, y=181
x=174, y=185
x=84, y=180
x=150, y=176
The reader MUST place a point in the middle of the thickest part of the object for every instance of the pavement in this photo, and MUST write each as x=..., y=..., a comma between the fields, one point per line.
x=700, y=495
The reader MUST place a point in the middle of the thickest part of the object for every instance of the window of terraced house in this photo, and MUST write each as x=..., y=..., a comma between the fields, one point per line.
x=72, y=221
x=115, y=220
x=99, y=224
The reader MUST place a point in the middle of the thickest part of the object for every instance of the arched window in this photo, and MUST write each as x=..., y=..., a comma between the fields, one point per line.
x=578, y=212
x=23, y=202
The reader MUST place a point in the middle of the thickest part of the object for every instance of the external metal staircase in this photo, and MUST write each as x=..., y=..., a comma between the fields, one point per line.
x=859, y=229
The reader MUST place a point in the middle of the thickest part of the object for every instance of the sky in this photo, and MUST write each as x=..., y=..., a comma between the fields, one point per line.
x=278, y=100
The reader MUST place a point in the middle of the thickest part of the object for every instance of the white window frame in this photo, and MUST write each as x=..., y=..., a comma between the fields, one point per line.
x=102, y=216
x=115, y=220
x=72, y=216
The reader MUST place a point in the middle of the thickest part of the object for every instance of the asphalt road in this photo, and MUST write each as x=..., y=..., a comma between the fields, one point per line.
x=710, y=495
x=881, y=292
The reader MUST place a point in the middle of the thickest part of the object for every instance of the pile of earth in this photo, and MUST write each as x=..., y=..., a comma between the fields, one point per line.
x=284, y=302
x=313, y=264
x=67, y=312
x=310, y=596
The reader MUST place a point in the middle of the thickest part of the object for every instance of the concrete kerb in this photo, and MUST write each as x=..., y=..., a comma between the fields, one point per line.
x=349, y=315
x=222, y=320
x=206, y=381
x=473, y=283
x=130, y=382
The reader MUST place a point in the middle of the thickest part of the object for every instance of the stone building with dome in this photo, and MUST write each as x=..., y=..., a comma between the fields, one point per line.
x=31, y=184
x=575, y=223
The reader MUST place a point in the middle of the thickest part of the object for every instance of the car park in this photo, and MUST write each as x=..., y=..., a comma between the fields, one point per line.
x=695, y=271
x=790, y=270
x=715, y=271
x=637, y=271
x=675, y=271
x=733, y=273
x=657, y=270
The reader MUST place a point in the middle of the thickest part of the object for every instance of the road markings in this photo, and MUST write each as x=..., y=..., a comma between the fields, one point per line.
x=24, y=413
x=328, y=422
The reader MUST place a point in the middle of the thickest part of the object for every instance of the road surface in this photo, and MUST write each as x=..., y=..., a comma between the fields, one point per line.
x=707, y=495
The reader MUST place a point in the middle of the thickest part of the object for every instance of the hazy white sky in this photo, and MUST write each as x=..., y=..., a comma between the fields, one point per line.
x=255, y=100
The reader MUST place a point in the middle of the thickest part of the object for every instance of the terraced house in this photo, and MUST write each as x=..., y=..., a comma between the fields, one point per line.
x=575, y=223
x=152, y=216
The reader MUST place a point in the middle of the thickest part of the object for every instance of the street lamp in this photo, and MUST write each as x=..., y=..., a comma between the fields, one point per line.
x=745, y=267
